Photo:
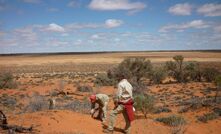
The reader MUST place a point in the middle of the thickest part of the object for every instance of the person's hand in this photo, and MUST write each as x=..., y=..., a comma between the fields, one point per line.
x=134, y=109
x=92, y=111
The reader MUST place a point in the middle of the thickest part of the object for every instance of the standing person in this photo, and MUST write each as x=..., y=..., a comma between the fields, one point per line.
x=102, y=101
x=123, y=104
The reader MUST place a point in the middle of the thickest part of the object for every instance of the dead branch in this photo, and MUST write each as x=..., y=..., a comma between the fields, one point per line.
x=14, y=128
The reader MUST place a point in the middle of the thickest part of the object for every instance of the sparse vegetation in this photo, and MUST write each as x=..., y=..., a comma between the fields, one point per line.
x=144, y=103
x=132, y=68
x=193, y=71
x=84, y=88
x=161, y=110
x=218, y=87
x=209, y=116
x=78, y=106
x=104, y=80
x=176, y=68
x=210, y=74
x=7, y=80
x=37, y=103
x=158, y=75
x=200, y=91
x=172, y=120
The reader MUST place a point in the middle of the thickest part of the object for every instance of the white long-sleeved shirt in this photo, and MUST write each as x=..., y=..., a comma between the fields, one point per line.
x=124, y=92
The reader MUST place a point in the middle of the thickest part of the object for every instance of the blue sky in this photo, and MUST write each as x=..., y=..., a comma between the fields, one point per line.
x=28, y=26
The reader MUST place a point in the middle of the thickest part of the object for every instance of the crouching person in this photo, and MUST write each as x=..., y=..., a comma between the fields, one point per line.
x=102, y=101
x=123, y=104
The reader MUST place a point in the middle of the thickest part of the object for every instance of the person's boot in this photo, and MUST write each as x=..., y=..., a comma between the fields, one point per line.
x=107, y=131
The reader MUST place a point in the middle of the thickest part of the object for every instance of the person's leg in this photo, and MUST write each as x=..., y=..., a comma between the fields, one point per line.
x=104, y=109
x=113, y=115
x=128, y=125
x=100, y=114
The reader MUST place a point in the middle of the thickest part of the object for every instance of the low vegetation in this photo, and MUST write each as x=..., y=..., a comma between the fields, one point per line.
x=172, y=120
x=209, y=116
x=84, y=88
x=144, y=103
x=158, y=74
x=7, y=81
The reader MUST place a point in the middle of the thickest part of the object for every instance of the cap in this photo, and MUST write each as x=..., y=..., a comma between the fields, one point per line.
x=93, y=97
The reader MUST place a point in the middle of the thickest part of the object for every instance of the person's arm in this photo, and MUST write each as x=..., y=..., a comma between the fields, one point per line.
x=119, y=91
x=92, y=108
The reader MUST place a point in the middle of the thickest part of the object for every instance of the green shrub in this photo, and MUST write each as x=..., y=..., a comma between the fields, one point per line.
x=104, y=80
x=207, y=117
x=144, y=103
x=218, y=86
x=7, y=81
x=176, y=68
x=78, y=106
x=217, y=110
x=161, y=110
x=193, y=71
x=172, y=120
x=84, y=88
x=138, y=87
x=133, y=68
x=179, y=63
x=37, y=103
x=158, y=74
x=210, y=74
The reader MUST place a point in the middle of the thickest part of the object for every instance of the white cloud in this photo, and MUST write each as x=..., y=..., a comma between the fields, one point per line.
x=111, y=23
x=73, y=3
x=56, y=43
x=52, y=9
x=26, y=33
x=55, y=28
x=116, y=5
x=75, y=26
x=181, y=9
x=95, y=36
x=32, y=1
x=196, y=24
x=210, y=9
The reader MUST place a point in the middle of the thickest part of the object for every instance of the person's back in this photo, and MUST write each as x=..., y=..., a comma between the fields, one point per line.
x=124, y=92
x=102, y=98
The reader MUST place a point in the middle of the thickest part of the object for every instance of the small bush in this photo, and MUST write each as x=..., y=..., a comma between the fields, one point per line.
x=37, y=103
x=131, y=68
x=7, y=81
x=172, y=120
x=8, y=101
x=144, y=103
x=84, y=88
x=161, y=110
x=104, y=80
x=207, y=117
x=217, y=110
x=78, y=106
x=210, y=74
x=218, y=87
x=157, y=75
x=183, y=109
x=138, y=87
x=193, y=71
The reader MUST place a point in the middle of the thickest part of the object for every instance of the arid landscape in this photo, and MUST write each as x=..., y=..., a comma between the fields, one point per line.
x=69, y=79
